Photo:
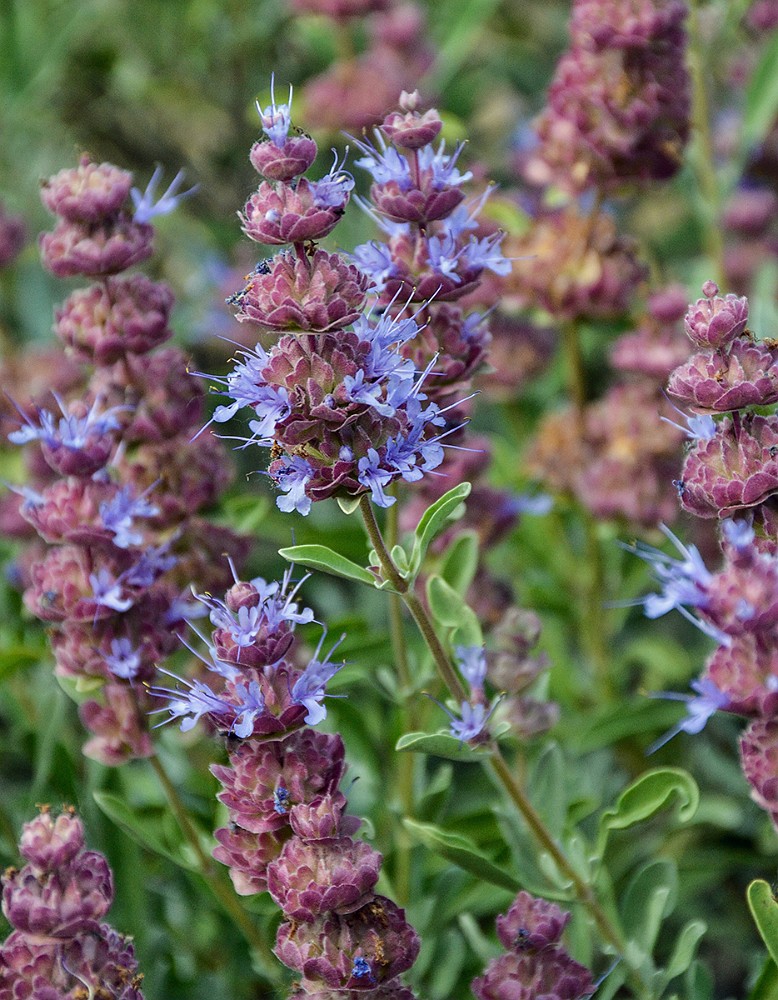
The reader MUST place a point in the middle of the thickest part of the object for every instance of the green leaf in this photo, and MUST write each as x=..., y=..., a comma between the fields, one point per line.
x=766, y=986
x=547, y=789
x=612, y=982
x=79, y=689
x=348, y=504
x=434, y=519
x=140, y=830
x=685, y=949
x=400, y=559
x=15, y=658
x=461, y=852
x=441, y=745
x=449, y=610
x=469, y=632
x=446, y=605
x=646, y=796
x=322, y=558
x=650, y=897
x=761, y=97
x=460, y=561
x=764, y=910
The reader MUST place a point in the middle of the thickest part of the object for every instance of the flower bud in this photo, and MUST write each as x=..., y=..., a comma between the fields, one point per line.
x=714, y=322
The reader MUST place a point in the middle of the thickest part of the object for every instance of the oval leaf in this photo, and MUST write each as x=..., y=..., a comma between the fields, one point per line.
x=646, y=796
x=461, y=852
x=446, y=605
x=328, y=561
x=764, y=910
x=441, y=745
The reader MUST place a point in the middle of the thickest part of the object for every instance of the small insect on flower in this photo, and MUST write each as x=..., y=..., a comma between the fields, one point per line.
x=362, y=970
x=281, y=799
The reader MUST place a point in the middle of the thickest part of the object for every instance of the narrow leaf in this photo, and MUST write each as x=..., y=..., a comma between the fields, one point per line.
x=547, y=788
x=461, y=852
x=440, y=745
x=761, y=97
x=650, y=897
x=434, y=520
x=138, y=829
x=685, y=949
x=328, y=561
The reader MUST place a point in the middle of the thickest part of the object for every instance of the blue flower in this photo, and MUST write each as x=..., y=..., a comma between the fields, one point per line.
x=152, y=563
x=146, y=209
x=471, y=722
x=119, y=513
x=384, y=164
x=375, y=478
x=684, y=583
x=123, y=660
x=700, y=707
x=376, y=260
x=277, y=118
x=485, y=253
x=472, y=664
x=108, y=591
x=443, y=165
x=275, y=606
x=333, y=190
x=190, y=705
x=699, y=427
x=308, y=689
x=292, y=479
x=251, y=704
x=69, y=431
x=281, y=799
x=739, y=534
x=271, y=405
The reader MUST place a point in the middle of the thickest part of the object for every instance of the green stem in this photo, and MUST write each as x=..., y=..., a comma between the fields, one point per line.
x=576, y=374
x=703, y=161
x=592, y=624
x=406, y=763
x=224, y=895
x=497, y=762
x=531, y=817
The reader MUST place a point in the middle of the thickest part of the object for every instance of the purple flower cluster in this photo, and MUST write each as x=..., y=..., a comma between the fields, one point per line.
x=618, y=456
x=535, y=963
x=289, y=833
x=729, y=474
x=117, y=483
x=58, y=946
x=385, y=45
x=436, y=252
x=575, y=265
x=618, y=106
x=343, y=398
x=731, y=466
